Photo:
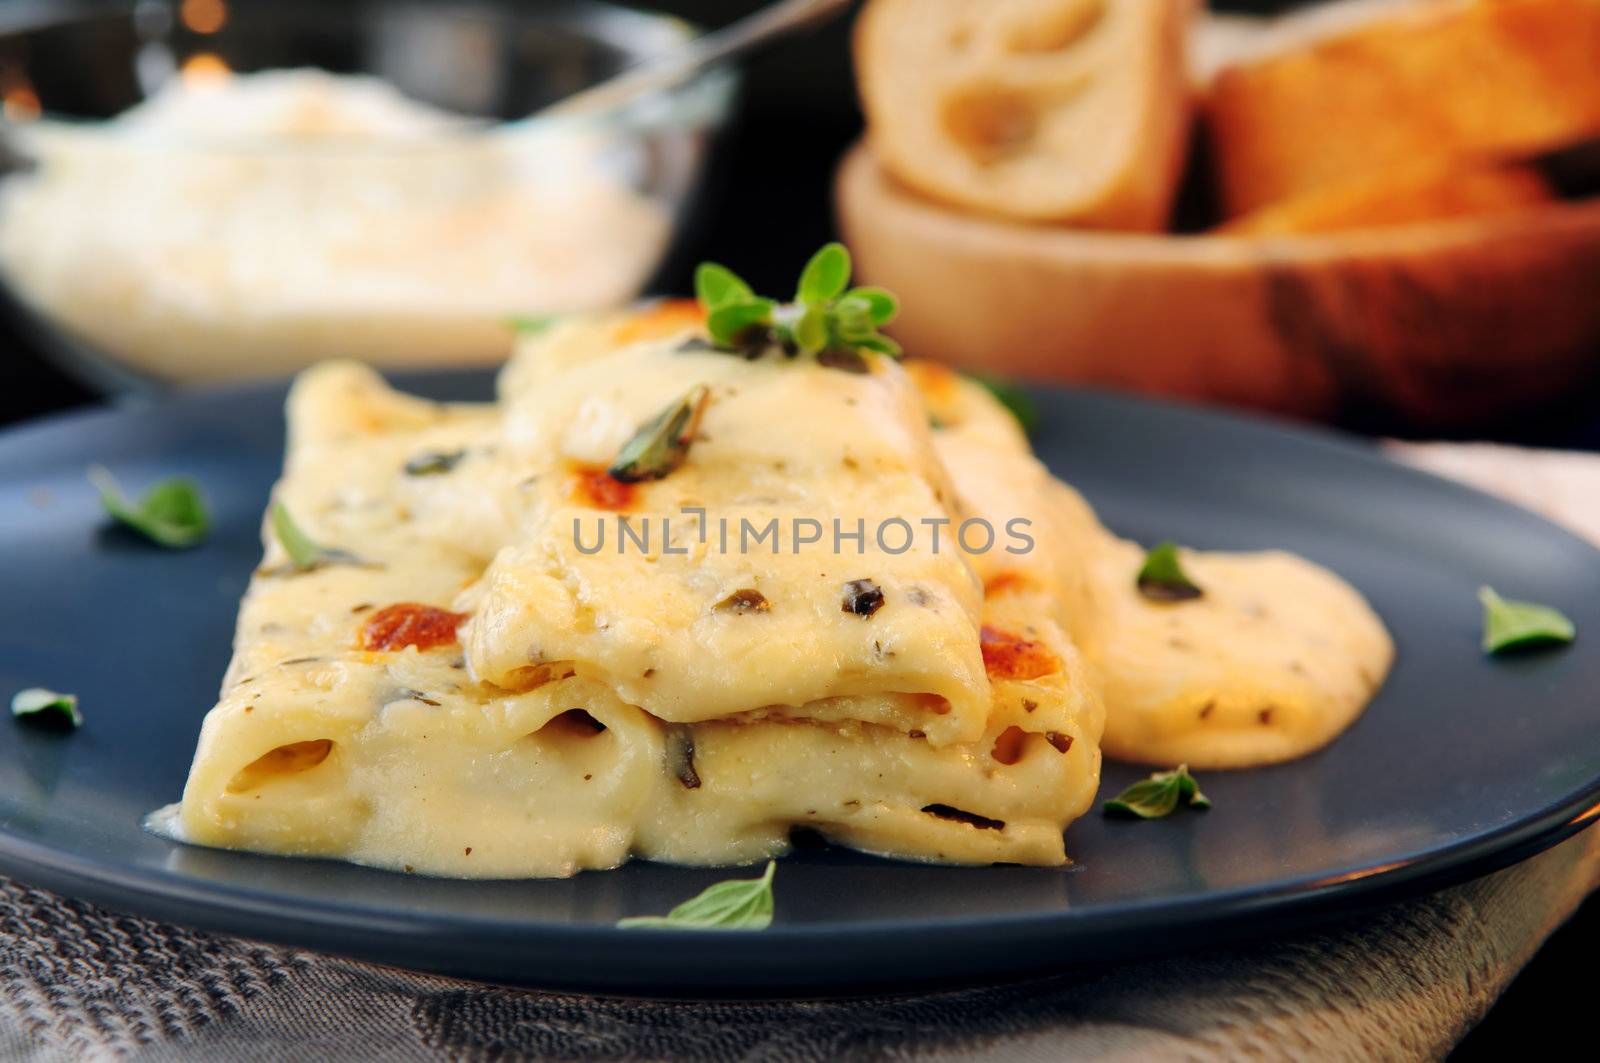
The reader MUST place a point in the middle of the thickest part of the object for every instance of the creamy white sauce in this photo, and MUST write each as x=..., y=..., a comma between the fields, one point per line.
x=167, y=822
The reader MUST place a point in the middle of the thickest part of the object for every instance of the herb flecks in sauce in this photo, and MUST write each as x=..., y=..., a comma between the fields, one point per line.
x=680, y=754
x=1509, y=625
x=828, y=320
x=971, y=819
x=1162, y=578
x=745, y=600
x=434, y=462
x=862, y=597
x=662, y=443
x=1159, y=795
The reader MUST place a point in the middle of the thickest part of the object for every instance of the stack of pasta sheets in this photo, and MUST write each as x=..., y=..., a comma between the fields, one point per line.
x=508, y=664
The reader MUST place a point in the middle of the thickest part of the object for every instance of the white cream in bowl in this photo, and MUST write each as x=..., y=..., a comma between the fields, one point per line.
x=249, y=225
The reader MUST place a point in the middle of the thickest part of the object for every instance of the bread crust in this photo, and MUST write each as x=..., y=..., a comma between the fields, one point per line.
x=1401, y=199
x=1445, y=80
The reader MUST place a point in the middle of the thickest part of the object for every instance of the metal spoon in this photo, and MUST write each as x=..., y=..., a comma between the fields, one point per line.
x=738, y=38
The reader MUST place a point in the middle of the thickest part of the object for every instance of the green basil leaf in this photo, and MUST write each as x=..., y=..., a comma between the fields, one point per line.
x=731, y=325
x=1189, y=789
x=1159, y=795
x=1162, y=579
x=662, y=443
x=717, y=286
x=1013, y=397
x=37, y=703
x=737, y=904
x=434, y=462
x=1515, y=625
x=172, y=513
x=825, y=277
x=885, y=306
x=1148, y=799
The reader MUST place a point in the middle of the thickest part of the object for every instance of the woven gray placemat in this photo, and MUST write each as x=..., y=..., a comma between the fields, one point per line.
x=1404, y=982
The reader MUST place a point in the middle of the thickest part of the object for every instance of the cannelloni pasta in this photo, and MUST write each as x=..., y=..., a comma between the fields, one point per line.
x=471, y=688
x=852, y=602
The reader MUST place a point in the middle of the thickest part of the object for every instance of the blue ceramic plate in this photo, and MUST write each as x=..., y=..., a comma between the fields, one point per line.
x=1462, y=765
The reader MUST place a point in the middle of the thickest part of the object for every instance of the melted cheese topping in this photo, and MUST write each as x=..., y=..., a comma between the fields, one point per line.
x=603, y=704
x=540, y=745
x=771, y=452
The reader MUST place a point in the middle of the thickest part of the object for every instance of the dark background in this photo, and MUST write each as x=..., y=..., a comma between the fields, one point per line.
x=770, y=192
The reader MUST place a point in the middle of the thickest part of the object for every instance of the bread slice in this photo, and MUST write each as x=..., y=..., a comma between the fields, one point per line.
x=1069, y=111
x=1436, y=81
x=1427, y=194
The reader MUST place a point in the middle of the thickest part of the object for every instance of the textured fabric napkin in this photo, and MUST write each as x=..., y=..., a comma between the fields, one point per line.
x=1405, y=982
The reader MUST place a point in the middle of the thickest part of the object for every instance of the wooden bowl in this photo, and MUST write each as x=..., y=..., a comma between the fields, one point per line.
x=1440, y=323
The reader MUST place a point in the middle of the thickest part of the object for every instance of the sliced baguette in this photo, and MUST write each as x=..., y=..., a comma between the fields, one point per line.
x=1435, y=81
x=1427, y=194
x=1067, y=111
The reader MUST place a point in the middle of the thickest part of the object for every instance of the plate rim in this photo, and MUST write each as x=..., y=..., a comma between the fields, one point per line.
x=1232, y=917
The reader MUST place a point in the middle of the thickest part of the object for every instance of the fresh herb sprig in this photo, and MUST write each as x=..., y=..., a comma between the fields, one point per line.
x=737, y=904
x=37, y=703
x=1518, y=625
x=171, y=514
x=828, y=319
x=1159, y=795
x=1162, y=578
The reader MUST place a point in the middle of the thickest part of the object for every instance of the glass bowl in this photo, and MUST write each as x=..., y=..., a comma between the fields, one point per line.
x=185, y=199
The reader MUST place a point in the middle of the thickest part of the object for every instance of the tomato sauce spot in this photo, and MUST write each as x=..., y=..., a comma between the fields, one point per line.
x=405, y=624
x=593, y=486
x=936, y=382
x=1008, y=656
x=1003, y=582
x=666, y=318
